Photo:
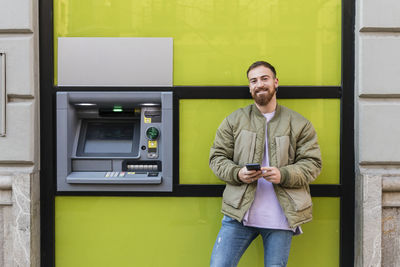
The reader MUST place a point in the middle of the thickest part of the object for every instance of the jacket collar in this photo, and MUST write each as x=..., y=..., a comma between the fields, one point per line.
x=258, y=113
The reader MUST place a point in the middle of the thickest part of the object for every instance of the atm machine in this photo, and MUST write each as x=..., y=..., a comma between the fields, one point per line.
x=114, y=141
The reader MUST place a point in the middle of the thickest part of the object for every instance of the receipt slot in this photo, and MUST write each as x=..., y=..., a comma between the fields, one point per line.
x=114, y=141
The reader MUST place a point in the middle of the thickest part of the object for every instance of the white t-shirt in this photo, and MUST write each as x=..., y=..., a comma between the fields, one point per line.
x=265, y=211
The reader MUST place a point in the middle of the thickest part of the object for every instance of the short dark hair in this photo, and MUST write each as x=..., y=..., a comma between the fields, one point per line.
x=261, y=63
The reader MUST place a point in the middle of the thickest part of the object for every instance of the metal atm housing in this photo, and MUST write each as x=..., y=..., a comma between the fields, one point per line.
x=114, y=141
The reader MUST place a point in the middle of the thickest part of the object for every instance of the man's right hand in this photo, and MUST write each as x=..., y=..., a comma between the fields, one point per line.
x=249, y=177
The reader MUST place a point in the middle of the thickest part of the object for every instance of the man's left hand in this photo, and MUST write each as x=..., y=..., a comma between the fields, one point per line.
x=271, y=174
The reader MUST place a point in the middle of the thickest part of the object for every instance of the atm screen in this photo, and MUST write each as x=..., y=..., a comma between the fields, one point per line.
x=108, y=138
x=99, y=138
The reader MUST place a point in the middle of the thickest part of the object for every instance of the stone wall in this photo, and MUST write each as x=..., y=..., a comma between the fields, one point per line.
x=377, y=83
x=19, y=148
x=391, y=220
x=19, y=217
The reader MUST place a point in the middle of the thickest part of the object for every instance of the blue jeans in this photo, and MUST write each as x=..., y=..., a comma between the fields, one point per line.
x=234, y=238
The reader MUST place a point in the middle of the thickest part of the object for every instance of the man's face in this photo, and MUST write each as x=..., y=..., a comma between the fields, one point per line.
x=262, y=84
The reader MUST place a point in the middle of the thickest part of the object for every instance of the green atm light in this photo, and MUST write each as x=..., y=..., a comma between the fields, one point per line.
x=117, y=108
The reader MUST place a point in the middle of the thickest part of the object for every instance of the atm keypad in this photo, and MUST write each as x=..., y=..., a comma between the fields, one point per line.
x=145, y=168
x=127, y=174
x=114, y=174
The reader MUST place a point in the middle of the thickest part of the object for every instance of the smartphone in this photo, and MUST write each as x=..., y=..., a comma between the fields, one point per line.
x=253, y=166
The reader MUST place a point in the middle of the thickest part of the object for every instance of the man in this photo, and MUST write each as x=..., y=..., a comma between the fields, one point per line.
x=274, y=201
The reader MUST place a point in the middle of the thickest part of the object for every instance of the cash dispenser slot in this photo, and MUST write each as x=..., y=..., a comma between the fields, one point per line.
x=127, y=112
x=82, y=165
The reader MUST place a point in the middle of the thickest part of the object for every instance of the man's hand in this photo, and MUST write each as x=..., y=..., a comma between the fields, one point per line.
x=249, y=177
x=271, y=174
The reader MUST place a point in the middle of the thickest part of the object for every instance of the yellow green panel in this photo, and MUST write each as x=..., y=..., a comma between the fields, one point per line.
x=171, y=232
x=215, y=41
x=200, y=118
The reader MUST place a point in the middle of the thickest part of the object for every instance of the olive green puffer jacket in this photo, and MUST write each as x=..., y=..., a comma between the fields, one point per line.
x=293, y=148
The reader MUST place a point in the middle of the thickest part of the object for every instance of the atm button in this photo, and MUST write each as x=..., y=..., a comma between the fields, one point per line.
x=108, y=174
x=152, y=155
x=122, y=174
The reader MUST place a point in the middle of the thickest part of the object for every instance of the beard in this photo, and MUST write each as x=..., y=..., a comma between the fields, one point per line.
x=263, y=99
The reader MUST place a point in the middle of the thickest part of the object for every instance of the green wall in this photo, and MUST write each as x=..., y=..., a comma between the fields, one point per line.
x=172, y=231
x=199, y=120
x=215, y=41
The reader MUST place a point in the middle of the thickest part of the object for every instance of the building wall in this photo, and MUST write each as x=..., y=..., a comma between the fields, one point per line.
x=377, y=38
x=19, y=148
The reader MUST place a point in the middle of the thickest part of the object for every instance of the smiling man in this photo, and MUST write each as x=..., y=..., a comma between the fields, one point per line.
x=275, y=200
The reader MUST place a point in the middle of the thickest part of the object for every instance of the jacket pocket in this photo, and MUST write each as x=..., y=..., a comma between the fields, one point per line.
x=233, y=194
x=284, y=152
x=299, y=197
x=245, y=144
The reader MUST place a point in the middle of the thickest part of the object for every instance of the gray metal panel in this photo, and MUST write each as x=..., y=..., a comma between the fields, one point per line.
x=167, y=129
x=62, y=100
x=82, y=165
x=62, y=138
x=98, y=178
x=104, y=98
x=167, y=100
x=2, y=94
x=99, y=61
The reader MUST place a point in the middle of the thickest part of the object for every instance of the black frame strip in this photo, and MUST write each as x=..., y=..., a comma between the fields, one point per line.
x=224, y=92
x=204, y=190
x=347, y=158
x=47, y=133
x=234, y=92
x=345, y=92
